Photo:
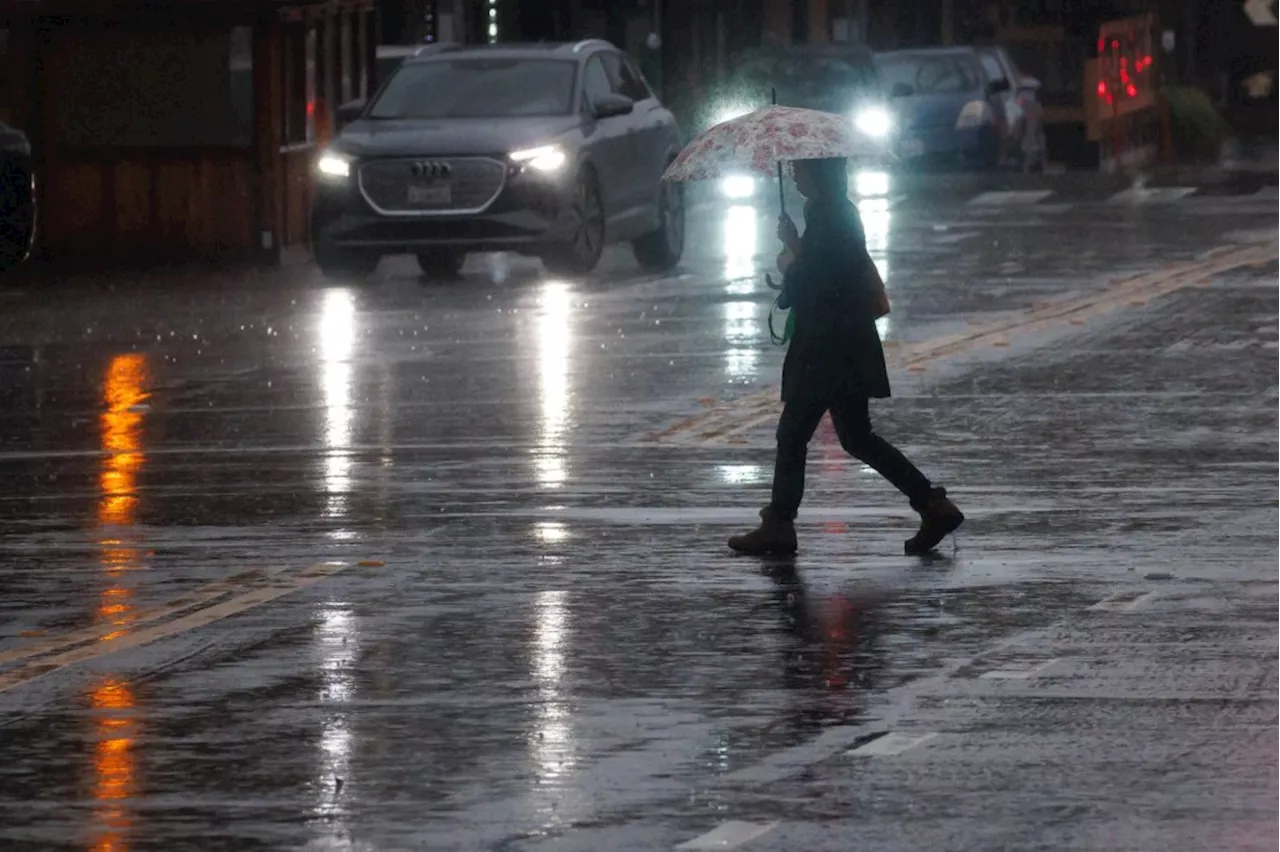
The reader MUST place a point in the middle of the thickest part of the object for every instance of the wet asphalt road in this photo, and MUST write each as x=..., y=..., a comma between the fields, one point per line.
x=292, y=566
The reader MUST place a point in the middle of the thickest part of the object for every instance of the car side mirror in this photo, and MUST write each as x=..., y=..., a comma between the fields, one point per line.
x=1029, y=84
x=996, y=87
x=901, y=90
x=350, y=111
x=608, y=106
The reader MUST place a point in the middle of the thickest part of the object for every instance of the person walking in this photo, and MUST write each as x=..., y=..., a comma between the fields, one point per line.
x=835, y=363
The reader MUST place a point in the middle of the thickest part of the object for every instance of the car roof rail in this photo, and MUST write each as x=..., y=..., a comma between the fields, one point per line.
x=588, y=42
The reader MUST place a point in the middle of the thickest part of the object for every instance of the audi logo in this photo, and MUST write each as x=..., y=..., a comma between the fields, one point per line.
x=431, y=168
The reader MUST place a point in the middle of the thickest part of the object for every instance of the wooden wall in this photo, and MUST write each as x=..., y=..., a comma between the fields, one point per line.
x=126, y=205
x=180, y=198
x=17, y=71
x=345, y=68
x=296, y=170
x=132, y=202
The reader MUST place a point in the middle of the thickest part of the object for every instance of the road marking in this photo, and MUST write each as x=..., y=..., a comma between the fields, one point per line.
x=205, y=594
x=747, y=412
x=1019, y=674
x=1011, y=198
x=891, y=744
x=791, y=761
x=898, y=701
x=1123, y=602
x=955, y=238
x=132, y=637
x=1261, y=14
x=729, y=835
x=1151, y=195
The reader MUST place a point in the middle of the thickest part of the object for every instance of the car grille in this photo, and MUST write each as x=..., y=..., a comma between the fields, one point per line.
x=423, y=186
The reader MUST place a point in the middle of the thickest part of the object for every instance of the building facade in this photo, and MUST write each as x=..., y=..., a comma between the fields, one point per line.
x=185, y=131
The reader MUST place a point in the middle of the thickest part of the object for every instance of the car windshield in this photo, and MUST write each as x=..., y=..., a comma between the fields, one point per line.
x=929, y=75
x=477, y=88
x=990, y=64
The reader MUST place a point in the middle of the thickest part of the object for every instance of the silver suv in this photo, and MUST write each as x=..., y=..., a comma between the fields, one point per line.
x=550, y=150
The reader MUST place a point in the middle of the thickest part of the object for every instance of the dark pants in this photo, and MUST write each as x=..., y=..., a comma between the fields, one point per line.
x=850, y=416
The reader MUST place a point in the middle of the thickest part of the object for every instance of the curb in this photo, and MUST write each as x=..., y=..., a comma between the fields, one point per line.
x=1218, y=180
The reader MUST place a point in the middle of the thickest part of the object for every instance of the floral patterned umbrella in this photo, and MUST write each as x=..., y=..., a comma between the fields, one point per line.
x=759, y=141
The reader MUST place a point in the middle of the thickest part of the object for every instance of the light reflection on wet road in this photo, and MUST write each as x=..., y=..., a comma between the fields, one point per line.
x=537, y=642
x=114, y=710
x=336, y=339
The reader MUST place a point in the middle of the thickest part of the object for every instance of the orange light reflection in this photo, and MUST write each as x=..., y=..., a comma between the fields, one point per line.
x=125, y=390
x=113, y=700
x=113, y=765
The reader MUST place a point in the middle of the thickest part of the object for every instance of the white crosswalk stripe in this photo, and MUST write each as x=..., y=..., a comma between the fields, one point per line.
x=1151, y=195
x=1047, y=202
x=1012, y=197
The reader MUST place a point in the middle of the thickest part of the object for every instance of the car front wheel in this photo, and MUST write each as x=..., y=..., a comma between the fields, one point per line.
x=581, y=254
x=345, y=265
x=18, y=219
x=15, y=239
x=441, y=264
x=660, y=249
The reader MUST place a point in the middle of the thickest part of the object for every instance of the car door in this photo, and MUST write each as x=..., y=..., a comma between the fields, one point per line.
x=607, y=142
x=998, y=70
x=654, y=129
x=1018, y=118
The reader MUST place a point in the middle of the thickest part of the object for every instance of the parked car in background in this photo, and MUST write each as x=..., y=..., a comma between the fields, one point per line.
x=946, y=105
x=837, y=78
x=17, y=197
x=1024, y=140
x=544, y=149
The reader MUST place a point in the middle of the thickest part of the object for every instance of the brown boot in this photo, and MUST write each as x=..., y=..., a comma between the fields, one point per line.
x=939, y=517
x=776, y=536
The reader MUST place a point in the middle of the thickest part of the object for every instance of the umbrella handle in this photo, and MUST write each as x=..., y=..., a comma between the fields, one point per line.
x=782, y=200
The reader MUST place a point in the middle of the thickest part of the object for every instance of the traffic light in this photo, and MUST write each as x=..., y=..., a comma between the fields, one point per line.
x=1126, y=65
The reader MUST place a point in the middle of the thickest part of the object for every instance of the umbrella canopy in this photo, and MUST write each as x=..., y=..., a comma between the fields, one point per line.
x=761, y=140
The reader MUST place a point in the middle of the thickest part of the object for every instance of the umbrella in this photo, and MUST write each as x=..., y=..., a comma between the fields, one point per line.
x=761, y=141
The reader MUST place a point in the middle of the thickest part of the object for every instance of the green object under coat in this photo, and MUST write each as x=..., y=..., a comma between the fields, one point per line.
x=788, y=328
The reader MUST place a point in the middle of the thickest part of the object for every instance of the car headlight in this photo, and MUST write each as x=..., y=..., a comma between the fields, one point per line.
x=333, y=165
x=547, y=158
x=738, y=186
x=871, y=184
x=874, y=121
x=974, y=114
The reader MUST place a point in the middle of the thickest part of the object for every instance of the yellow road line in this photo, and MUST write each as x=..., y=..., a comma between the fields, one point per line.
x=202, y=595
x=747, y=412
x=78, y=651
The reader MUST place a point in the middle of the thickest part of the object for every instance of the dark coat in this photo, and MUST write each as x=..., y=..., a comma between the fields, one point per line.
x=835, y=350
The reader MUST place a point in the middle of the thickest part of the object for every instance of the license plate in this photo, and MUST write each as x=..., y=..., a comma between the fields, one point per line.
x=430, y=195
x=911, y=148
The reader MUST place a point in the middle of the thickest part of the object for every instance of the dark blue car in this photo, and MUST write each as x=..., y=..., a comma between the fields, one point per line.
x=944, y=104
